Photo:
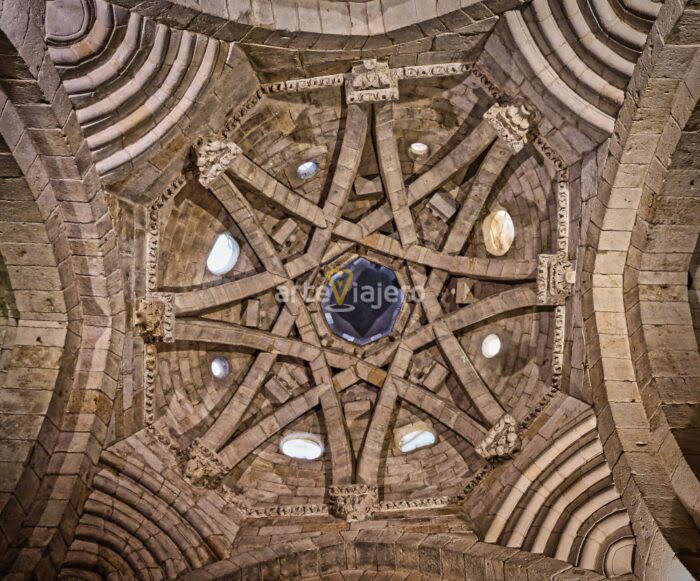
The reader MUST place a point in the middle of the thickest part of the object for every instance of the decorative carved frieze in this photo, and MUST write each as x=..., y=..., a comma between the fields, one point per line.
x=473, y=482
x=240, y=114
x=240, y=504
x=547, y=150
x=214, y=155
x=512, y=123
x=372, y=81
x=437, y=70
x=486, y=83
x=555, y=279
x=558, y=346
x=544, y=401
x=308, y=84
x=152, y=237
x=287, y=510
x=154, y=317
x=353, y=502
x=150, y=366
x=563, y=195
x=369, y=78
x=201, y=466
x=416, y=503
x=502, y=440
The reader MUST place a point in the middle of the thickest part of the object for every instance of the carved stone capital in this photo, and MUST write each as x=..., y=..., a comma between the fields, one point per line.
x=512, y=123
x=555, y=279
x=372, y=81
x=214, y=155
x=502, y=440
x=202, y=466
x=353, y=502
x=154, y=317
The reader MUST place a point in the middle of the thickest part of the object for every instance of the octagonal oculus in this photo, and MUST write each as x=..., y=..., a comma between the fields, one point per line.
x=362, y=301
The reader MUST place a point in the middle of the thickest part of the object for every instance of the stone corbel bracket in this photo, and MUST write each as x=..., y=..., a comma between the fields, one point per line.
x=372, y=82
x=154, y=317
x=512, y=123
x=502, y=440
x=353, y=502
x=555, y=279
x=213, y=155
x=201, y=466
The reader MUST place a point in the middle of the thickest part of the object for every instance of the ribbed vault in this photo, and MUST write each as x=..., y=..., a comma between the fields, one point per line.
x=180, y=182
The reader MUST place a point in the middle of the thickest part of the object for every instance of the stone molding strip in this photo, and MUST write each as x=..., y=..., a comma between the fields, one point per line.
x=443, y=555
x=400, y=73
x=324, y=509
x=248, y=20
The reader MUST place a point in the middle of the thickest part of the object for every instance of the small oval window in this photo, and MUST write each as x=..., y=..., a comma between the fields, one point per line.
x=499, y=232
x=307, y=170
x=223, y=255
x=220, y=367
x=302, y=446
x=491, y=346
x=415, y=440
x=419, y=151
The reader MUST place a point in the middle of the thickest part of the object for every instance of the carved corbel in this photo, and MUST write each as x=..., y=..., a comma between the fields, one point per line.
x=353, y=502
x=372, y=81
x=213, y=156
x=512, y=123
x=154, y=317
x=502, y=440
x=201, y=466
x=555, y=279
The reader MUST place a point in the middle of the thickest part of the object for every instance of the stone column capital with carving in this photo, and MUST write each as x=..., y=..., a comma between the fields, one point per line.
x=353, y=502
x=512, y=123
x=502, y=439
x=202, y=466
x=555, y=279
x=213, y=155
x=154, y=317
x=372, y=81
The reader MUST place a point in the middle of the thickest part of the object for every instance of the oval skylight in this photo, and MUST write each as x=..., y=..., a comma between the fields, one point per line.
x=223, y=255
x=499, y=232
x=419, y=150
x=415, y=440
x=491, y=346
x=302, y=446
x=307, y=170
x=220, y=367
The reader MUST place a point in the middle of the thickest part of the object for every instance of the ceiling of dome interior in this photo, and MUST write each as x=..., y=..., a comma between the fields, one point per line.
x=335, y=276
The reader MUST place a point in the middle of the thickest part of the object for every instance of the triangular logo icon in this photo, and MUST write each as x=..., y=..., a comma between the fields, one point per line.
x=340, y=282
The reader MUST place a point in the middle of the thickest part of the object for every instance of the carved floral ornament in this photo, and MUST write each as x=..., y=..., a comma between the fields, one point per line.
x=214, y=155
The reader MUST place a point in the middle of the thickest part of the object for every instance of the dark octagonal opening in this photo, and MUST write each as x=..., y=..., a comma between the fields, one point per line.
x=362, y=301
